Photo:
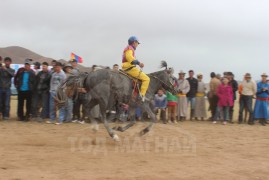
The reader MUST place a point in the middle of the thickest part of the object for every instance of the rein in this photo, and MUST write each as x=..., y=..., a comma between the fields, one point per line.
x=164, y=83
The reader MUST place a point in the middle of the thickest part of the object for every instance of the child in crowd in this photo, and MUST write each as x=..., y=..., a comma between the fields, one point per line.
x=171, y=106
x=160, y=103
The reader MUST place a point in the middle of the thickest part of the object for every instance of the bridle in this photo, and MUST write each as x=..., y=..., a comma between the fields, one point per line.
x=170, y=86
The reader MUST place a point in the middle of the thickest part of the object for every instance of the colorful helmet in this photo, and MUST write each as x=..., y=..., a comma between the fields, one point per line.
x=133, y=39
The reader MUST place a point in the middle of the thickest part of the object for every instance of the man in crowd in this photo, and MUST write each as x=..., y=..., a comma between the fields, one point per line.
x=200, y=104
x=193, y=90
x=75, y=69
x=6, y=74
x=53, y=63
x=249, y=89
x=261, y=105
x=183, y=87
x=115, y=67
x=233, y=83
x=37, y=67
x=57, y=78
x=42, y=91
x=69, y=93
x=213, y=98
x=25, y=85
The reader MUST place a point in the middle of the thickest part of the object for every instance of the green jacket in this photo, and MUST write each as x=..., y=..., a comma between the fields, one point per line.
x=171, y=97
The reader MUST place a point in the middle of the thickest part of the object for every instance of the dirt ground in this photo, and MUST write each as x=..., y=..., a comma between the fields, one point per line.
x=187, y=150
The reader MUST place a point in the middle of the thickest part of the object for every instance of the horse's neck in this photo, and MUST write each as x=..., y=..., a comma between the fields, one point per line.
x=154, y=86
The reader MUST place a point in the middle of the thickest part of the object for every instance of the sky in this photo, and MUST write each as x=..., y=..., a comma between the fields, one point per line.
x=202, y=35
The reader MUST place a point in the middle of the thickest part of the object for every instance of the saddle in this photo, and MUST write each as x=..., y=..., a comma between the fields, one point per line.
x=136, y=83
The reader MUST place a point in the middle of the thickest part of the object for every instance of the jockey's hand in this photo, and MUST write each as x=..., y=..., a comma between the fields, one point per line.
x=141, y=65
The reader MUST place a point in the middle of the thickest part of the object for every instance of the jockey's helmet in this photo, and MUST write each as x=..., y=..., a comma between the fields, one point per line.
x=133, y=39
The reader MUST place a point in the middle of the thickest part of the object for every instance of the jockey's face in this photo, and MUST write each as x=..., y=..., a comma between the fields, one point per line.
x=135, y=44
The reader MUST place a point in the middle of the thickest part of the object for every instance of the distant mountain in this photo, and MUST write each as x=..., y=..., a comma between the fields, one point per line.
x=19, y=54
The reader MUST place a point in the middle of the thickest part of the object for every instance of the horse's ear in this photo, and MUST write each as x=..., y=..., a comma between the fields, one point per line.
x=170, y=71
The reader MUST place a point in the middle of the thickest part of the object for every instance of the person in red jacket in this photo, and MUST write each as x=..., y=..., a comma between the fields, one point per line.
x=225, y=95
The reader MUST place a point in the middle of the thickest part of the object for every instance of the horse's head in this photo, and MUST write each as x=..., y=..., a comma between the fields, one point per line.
x=166, y=78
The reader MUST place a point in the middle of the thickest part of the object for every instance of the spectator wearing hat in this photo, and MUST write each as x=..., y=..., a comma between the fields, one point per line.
x=249, y=89
x=6, y=74
x=183, y=87
x=262, y=97
x=42, y=92
x=193, y=90
x=57, y=78
x=200, y=104
x=25, y=86
x=233, y=83
x=69, y=103
x=213, y=98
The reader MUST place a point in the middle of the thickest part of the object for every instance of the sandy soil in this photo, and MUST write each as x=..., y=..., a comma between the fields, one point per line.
x=188, y=150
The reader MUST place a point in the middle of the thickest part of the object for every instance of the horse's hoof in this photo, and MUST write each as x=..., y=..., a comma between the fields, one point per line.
x=116, y=138
x=115, y=128
x=95, y=127
x=143, y=132
x=118, y=128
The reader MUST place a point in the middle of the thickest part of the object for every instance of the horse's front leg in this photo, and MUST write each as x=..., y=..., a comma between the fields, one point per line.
x=146, y=107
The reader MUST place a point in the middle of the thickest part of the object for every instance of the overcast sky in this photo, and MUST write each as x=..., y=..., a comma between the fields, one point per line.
x=203, y=35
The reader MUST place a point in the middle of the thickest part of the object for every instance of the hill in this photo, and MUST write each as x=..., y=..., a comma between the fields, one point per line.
x=19, y=54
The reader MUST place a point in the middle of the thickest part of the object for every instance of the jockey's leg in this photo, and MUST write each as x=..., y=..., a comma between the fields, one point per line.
x=136, y=73
x=145, y=83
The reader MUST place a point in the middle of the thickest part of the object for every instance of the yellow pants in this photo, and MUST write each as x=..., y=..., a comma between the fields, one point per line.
x=135, y=72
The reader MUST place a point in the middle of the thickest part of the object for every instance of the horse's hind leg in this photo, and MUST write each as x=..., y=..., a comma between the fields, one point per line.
x=152, y=117
x=106, y=124
x=109, y=130
x=94, y=123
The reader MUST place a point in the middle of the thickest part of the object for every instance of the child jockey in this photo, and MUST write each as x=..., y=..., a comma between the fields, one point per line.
x=129, y=63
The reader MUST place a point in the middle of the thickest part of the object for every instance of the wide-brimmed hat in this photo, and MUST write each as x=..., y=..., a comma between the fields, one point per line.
x=181, y=72
x=28, y=61
x=264, y=74
x=248, y=75
x=68, y=65
x=199, y=74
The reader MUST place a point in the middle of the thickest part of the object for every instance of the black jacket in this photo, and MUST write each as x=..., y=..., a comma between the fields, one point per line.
x=233, y=83
x=19, y=79
x=193, y=87
x=43, y=81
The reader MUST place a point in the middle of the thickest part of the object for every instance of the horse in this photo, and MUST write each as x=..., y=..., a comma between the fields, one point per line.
x=108, y=88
